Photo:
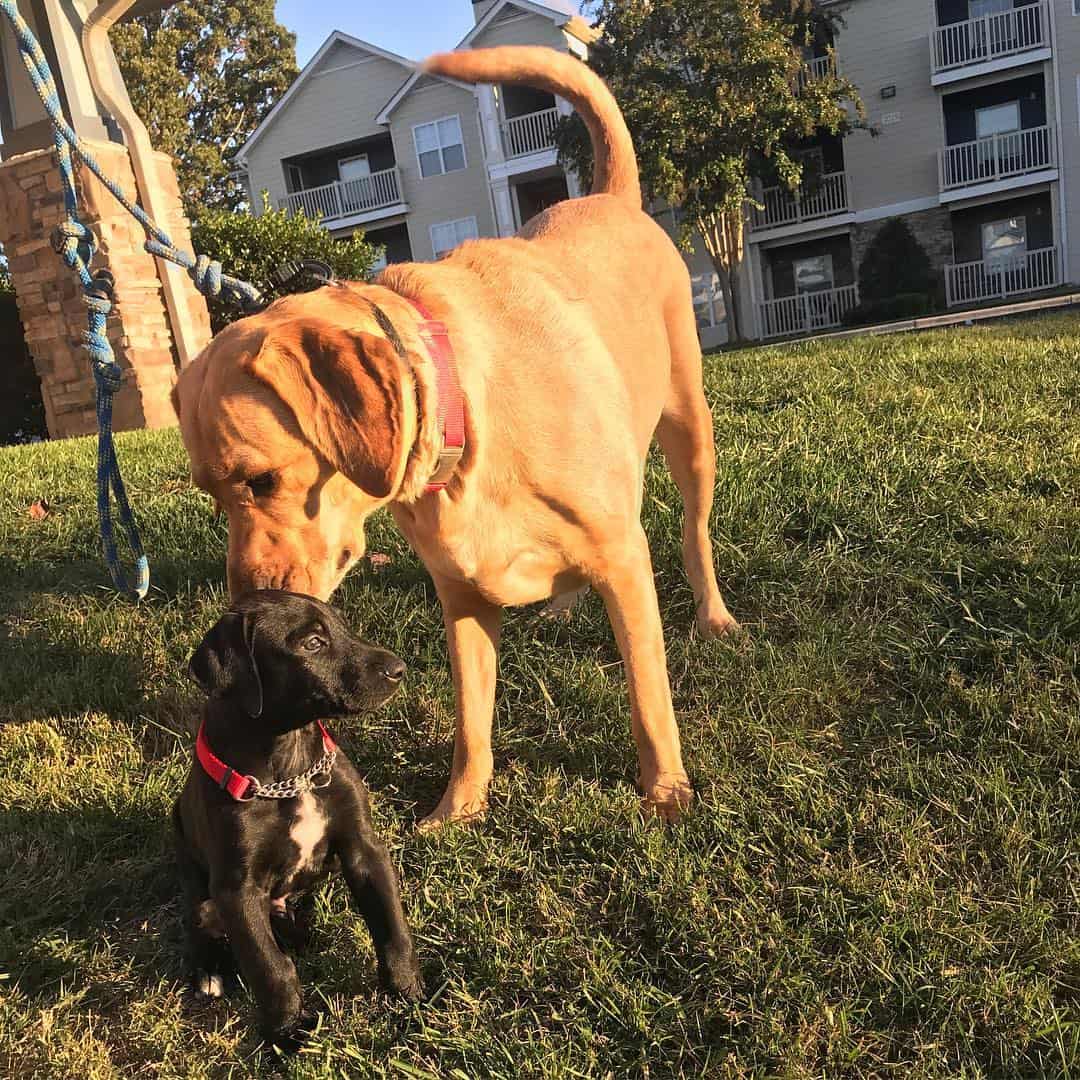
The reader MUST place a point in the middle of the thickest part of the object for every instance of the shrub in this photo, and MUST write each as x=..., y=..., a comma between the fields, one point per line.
x=250, y=248
x=901, y=306
x=895, y=264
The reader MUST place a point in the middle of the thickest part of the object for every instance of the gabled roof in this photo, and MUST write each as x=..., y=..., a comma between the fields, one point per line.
x=337, y=37
x=561, y=12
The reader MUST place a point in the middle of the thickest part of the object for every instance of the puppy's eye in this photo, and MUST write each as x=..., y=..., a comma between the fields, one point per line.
x=261, y=485
x=313, y=643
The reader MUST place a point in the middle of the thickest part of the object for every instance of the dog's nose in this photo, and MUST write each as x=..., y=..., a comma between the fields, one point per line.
x=394, y=669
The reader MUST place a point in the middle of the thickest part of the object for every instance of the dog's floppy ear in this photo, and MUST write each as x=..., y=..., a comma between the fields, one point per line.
x=345, y=389
x=225, y=662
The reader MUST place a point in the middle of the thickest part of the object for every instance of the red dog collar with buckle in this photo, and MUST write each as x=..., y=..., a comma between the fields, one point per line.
x=451, y=405
x=245, y=788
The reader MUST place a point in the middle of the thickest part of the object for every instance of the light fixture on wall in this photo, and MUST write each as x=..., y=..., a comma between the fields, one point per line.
x=888, y=92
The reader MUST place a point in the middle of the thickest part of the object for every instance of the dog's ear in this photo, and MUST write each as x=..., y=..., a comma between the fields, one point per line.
x=345, y=389
x=224, y=663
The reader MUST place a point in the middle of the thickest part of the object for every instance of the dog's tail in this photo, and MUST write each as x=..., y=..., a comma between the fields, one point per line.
x=615, y=168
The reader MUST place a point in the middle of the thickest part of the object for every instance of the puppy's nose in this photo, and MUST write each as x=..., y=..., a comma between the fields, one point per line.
x=394, y=669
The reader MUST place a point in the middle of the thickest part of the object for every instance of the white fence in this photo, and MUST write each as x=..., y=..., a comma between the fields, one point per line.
x=972, y=282
x=782, y=206
x=529, y=133
x=991, y=37
x=344, y=197
x=997, y=157
x=807, y=313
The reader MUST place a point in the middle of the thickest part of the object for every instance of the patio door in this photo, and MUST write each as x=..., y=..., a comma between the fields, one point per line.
x=354, y=174
x=998, y=153
x=1005, y=262
x=814, y=283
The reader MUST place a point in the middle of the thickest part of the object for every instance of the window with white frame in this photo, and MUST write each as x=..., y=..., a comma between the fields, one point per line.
x=708, y=300
x=1076, y=7
x=997, y=119
x=978, y=8
x=814, y=274
x=353, y=168
x=1004, y=243
x=439, y=146
x=449, y=234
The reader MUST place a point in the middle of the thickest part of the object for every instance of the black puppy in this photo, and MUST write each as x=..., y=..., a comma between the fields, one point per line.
x=269, y=802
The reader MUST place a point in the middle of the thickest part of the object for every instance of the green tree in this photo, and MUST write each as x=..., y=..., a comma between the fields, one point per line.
x=251, y=248
x=202, y=75
x=715, y=94
x=895, y=263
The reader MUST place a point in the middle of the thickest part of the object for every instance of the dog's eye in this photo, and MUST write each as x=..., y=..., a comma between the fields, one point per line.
x=312, y=643
x=261, y=485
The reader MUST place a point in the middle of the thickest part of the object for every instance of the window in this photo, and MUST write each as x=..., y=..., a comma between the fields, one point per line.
x=708, y=300
x=978, y=8
x=447, y=236
x=294, y=178
x=1076, y=7
x=997, y=119
x=1004, y=243
x=814, y=274
x=439, y=146
x=352, y=168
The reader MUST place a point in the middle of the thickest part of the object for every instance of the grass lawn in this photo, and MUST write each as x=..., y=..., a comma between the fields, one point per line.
x=881, y=876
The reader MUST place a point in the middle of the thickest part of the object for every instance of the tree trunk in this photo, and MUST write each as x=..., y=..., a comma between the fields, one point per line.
x=723, y=236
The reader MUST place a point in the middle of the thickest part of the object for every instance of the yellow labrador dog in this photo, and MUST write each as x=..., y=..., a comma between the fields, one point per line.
x=576, y=344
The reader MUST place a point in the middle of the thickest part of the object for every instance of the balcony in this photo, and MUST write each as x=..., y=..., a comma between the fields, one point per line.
x=828, y=197
x=990, y=43
x=818, y=67
x=807, y=313
x=977, y=282
x=530, y=133
x=1014, y=155
x=350, y=202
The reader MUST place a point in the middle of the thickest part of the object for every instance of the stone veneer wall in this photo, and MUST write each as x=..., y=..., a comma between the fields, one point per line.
x=50, y=298
x=932, y=228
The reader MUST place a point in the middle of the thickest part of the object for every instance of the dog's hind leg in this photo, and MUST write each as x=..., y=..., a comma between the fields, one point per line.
x=685, y=434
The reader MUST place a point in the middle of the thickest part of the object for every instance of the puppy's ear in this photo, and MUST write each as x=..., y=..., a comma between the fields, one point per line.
x=345, y=389
x=225, y=662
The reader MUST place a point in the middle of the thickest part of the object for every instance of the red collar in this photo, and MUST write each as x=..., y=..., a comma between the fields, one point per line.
x=451, y=402
x=245, y=788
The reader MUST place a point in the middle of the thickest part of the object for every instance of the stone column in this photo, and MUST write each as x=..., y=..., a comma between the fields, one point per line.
x=50, y=297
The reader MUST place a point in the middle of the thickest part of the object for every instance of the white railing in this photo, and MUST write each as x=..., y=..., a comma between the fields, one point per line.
x=818, y=67
x=972, y=282
x=808, y=312
x=529, y=133
x=997, y=157
x=344, y=197
x=782, y=206
x=991, y=37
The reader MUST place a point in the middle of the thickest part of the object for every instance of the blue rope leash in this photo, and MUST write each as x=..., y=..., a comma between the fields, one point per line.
x=75, y=244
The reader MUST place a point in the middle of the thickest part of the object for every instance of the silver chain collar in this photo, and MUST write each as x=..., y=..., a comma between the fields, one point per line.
x=295, y=785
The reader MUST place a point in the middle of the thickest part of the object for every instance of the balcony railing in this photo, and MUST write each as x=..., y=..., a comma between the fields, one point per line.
x=530, y=133
x=818, y=67
x=991, y=37
x=997, y=157
x=807, y=313
x=782, y=206
x=973, y=282
x=342, y=198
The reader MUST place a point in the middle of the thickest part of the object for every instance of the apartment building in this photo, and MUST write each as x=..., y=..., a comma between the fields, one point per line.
x=421, y=163
x=976, y=107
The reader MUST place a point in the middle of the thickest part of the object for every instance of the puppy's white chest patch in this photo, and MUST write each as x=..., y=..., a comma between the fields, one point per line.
x=307, y=829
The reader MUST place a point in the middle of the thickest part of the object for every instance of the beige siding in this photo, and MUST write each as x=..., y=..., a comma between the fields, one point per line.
x=1067, y=55
x=436, y=199
x=332, y=107
x=887, y=43
x=521, y=29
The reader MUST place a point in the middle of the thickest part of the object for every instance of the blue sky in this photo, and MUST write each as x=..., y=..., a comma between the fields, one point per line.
x=413, y=28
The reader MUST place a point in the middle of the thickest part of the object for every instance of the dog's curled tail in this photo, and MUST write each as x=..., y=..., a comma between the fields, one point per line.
x=615, y=169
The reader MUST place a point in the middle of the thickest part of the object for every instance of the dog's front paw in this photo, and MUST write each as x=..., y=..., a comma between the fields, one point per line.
x=403, y=979
x=289, y=1038
x=666, y=796
x=208, y=984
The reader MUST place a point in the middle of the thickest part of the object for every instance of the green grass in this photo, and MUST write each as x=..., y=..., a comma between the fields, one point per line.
x=881, y=876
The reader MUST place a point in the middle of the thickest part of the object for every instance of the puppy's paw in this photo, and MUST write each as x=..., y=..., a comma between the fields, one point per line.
x=403, y=979
x=289, y=1038
x=208, y=984
x=666, y=796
